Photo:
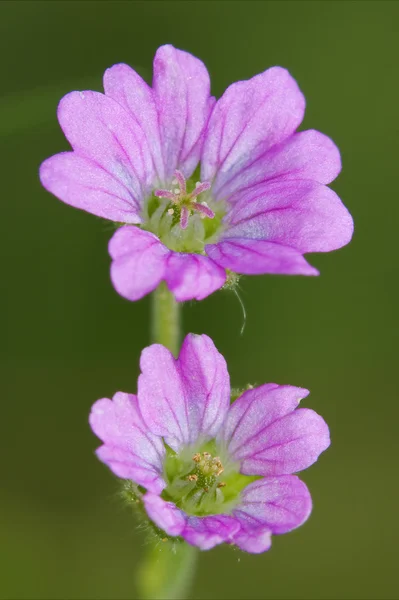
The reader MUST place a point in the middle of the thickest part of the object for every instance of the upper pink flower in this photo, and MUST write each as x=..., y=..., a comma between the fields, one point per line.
x=202, y=185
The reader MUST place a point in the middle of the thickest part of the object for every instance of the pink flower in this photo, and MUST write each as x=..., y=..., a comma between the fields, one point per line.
x=201, y=185
x=211, y=472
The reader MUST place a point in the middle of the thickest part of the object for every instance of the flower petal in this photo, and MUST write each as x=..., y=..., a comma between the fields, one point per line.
x=302, y=214
x=254, y=539
x=255, y=257
x=255, y=410
x=208, y=532
x=99, y=128
x=182, y=94
x=280, y=504
x=193, y=276
x=129, y=450
x=304, y=155
x=161, y=396
x=250, y=118
x=82, y=183
x=139, y=261
x=184, y=400
x=206, y=383
x=165, y=515
x=126, y=86
x=287, y=445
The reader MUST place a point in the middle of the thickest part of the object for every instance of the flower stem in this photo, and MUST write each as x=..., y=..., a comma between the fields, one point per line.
x=168, y=567
x=167, y=572
x=165, y=319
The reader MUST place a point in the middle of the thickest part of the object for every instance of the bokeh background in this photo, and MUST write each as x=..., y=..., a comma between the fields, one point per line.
x=68, y=339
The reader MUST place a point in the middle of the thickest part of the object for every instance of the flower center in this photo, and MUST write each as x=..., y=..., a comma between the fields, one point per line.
x=185, y=217
x=200, y=483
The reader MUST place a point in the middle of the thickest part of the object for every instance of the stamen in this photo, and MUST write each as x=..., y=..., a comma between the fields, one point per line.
x=165, y=194
x=204, y=209
x=201, y=187
x=182, y=182
x=185, y=213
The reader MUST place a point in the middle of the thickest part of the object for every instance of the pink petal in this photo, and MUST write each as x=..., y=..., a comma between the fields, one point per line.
x=161, y=396
x=84, y=184
x=208, y=532
x=302, y=214
x=255, y=410
x=193, y=276
x=129, y=449
x=254, y=257
x=279, y=504
x=125, y=86
x=304, y=155
x=206, y=384
x=254, y=540
x=287, y=445
x=165, y=515
x=250, y=118
x=184, y=400
x=99, y=128
x=138, y=262
x=181, y=89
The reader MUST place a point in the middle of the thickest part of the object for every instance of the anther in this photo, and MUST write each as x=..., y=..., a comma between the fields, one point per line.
x=192, y=477
x=197, y=457
x=221, y=484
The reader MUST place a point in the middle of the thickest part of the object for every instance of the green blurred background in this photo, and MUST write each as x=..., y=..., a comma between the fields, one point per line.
x=69, y=339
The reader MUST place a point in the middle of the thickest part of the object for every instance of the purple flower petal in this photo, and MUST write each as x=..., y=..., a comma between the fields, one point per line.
x=255, y=410
x=82, y=183
x=99, y=128
x=125, y=86
x=164, y=514
x=206, y=384
x=182, y=94
x=139, y=261
x=305, y=155
x=193, y=276
x=250, y=118
x=129, y=449
x=287, y=445
x=280, y=504
x=208, y=532
x=304, y=214
x=186, y=399
x=254, y=257
x=254, y=539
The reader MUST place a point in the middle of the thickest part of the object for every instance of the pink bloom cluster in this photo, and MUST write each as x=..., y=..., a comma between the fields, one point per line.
x=261, y=201
x=241, y=496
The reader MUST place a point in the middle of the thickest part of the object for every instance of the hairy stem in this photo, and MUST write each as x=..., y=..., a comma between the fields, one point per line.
x=165, y=325
x=168, y=568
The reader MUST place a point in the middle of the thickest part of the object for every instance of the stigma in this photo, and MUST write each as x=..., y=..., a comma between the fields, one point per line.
x=185, y=203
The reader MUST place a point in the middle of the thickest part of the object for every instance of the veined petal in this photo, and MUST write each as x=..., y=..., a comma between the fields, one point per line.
x=130, y=450
x=250, y=118
x=254, y=411
x=126, y=86
x=304, y=155
x=161, y=396
x=287, y=445
x=139, y=261
x=184, y=400
x=82, y=183
x=254, y=257
x=193, y=276
x=165, y=515
x=182, y=95
x=206, y=384
x=302, y=214
x=279, y=504
x=208, y=532
x=254, y=540
x=99, y=128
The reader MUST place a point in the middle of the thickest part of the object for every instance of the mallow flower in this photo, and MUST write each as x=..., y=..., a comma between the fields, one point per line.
x=202, y=187
x=208, y=471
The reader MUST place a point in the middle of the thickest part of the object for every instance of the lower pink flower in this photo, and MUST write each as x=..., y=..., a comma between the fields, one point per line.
x=211, y=472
